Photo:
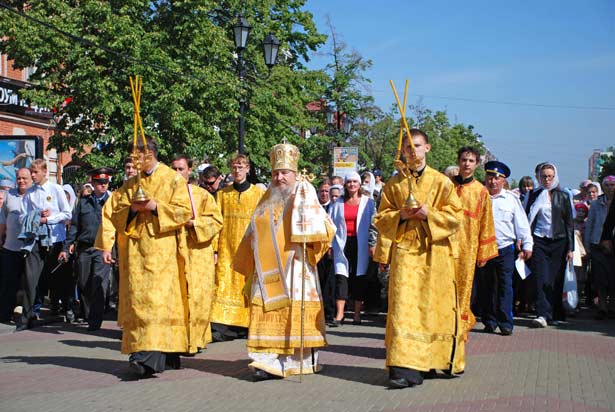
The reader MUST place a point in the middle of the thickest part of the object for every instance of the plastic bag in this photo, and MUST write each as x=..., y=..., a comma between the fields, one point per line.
x=570, y=296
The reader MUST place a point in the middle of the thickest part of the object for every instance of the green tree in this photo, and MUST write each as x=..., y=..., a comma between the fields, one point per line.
x=348, y=83
x=346, y=92
x=376, y=136
x=184, y=50
x=445, y=139
x=608, y=165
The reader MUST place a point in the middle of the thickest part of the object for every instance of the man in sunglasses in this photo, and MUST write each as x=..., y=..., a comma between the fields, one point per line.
x=210, y=179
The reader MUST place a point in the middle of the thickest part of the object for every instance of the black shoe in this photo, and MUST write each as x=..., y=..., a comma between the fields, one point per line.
x=506, y=331
x=140, y=370
x=22, y=323
x=333, y=323
x=356, y=322
x=488, y=329
x=432, y=374
x=554, y=322
x=399, y=383
x=93, y=328
x=172, y=361
x=404, y=377
x=260, y=375
x=219, y=337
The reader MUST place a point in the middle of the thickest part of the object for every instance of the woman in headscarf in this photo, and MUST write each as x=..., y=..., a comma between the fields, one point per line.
x=70, y=195
x=550, y=216
x=368, y=184
x=352, y=214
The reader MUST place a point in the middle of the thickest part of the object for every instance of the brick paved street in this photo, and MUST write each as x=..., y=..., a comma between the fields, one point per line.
x=64, y=368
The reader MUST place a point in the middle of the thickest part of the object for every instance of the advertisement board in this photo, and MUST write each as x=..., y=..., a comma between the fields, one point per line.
x=17, y=152
x=345, y=160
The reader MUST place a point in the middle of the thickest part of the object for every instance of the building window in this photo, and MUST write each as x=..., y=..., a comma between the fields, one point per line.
x=28, y=72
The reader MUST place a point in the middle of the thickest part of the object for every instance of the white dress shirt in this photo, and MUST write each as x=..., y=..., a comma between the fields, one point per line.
x=510, y=221
x=49, y=196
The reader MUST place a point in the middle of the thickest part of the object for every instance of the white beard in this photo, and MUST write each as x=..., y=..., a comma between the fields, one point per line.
x=279, y=196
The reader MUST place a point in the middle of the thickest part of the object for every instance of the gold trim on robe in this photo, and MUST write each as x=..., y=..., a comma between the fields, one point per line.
x=477, y=243
x=153, y=292
x=198, y=263
x=279, y=331
x=422, y=323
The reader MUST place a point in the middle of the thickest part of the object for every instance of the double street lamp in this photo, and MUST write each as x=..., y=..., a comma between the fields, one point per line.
x=337, y=123
x=271, y=45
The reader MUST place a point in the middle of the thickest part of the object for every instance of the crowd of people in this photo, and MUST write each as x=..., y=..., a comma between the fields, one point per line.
x=183, y=260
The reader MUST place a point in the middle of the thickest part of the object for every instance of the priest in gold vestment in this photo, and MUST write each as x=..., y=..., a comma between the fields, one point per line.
x=273, y=259
x=197, y=255
x=230, y=314
x=477, y=243
x=154, y=297
x=420, y=246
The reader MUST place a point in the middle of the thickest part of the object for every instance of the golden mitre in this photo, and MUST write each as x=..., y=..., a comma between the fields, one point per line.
x=284, y=156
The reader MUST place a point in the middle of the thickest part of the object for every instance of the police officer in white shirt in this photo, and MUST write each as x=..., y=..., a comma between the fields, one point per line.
x=511, y=229
x=46, y=202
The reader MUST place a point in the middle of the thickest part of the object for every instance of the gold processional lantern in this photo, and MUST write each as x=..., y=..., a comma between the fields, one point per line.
x=409, y=168
x=136, y=85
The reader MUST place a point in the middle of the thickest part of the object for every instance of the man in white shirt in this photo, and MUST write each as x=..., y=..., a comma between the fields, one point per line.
x=47, y=203
x=511, y=228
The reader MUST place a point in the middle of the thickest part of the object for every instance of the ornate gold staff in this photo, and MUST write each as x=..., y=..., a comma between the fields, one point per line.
x=136, y=85
x=401, y=129
x=303, y=177
x=408, y=169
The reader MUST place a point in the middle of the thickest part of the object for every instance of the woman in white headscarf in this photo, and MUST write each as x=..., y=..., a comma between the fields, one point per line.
x=551, y=221
x=368, y=184
x=352, y=215
x=70, y=195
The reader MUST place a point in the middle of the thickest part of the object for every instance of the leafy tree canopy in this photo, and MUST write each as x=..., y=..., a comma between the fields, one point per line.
x=87, y=49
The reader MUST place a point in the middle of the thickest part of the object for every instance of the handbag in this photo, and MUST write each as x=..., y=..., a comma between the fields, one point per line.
x=570, y=296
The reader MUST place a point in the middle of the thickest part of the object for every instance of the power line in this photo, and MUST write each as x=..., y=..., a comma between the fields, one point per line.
x=511, y=103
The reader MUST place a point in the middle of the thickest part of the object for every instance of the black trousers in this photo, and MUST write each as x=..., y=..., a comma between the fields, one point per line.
x=93, y=282
x=152, y=359
x=12, y=272
x=547, y=265
x=327, y=286
x=357, y=284
x=38, y=277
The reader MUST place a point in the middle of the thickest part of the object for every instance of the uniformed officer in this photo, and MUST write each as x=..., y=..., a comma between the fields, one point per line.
x=511, y=228
x=92, y=273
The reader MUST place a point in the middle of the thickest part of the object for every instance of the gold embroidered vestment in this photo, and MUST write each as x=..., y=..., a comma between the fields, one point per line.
x=422, y=323
x=230, y=306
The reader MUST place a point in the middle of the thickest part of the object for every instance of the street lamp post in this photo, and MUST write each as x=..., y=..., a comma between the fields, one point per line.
x=271, y=45
x=336, y=124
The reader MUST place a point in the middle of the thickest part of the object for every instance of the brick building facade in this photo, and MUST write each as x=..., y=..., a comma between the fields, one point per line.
x=18, y=118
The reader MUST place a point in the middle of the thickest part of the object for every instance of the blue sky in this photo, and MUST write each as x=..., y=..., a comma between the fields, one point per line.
x=559, y=53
